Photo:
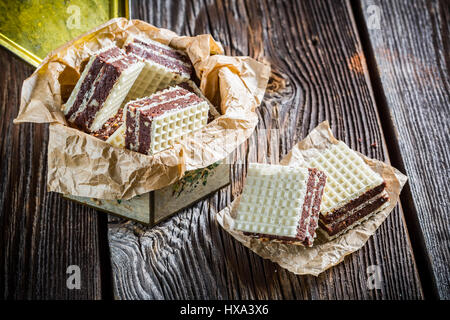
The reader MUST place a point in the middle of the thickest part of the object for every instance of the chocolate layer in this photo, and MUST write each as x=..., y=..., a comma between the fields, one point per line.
x=130, y=128
x=158, y=97
x=123, y=63
x=110, y=126
x=268, y=237
x=318, y=193
x=337, y=213
x=333, y=229
x=168, y=52
x=179, y=103
x=174, y=65
x=307, y=205
x=85, y=86
x=101, y=77
x=145, y=133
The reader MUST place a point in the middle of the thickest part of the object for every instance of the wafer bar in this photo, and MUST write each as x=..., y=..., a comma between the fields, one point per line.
x=101, y=89
x=281, y=203
x=353, y=191
x=192, y=87
x=164, y=66
x=113, y=131
x=155, y=122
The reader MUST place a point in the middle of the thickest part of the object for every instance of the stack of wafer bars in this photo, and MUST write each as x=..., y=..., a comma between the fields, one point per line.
x=147, y=81
x=353, y=193
x=335, y=191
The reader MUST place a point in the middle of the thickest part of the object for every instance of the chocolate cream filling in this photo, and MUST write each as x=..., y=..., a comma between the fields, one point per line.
x=110, y=126
x=354, y=215
x=85, y=87
x=316, y=205
x=337, y=213
x=130, y=128
x=146, y=118
x=103, y=85
x=314, y=187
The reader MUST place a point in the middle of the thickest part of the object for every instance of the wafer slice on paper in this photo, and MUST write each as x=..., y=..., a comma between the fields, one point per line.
x=164, y=66
x=101, y=89
x=353, y=193
x=280, y=203
x=154, y=123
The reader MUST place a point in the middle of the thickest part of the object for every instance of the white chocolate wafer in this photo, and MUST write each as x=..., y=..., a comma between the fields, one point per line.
x=348, y=176
x=101, y=89
x=154, y=123
x=191, y=86
x=117, y=139
x=280, y=203
x=164, y=66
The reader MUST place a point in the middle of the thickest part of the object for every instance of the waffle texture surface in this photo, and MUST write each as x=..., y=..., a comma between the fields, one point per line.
x=164, y=66
x=117, y=139
x=348, y=176
x=156, y=122
x=272, y=200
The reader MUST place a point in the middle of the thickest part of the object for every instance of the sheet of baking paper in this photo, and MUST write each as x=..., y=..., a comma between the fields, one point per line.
x=81, y=165
x=323, y=254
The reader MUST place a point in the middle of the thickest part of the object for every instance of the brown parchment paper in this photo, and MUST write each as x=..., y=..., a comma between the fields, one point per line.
x=82, y=165
x=323, y=254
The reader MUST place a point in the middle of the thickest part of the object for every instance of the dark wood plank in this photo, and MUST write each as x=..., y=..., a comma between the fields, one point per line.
x=42, y=234
x=411, y=55
x=318, y=73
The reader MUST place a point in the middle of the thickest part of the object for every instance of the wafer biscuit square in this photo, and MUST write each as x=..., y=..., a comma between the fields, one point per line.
x=280, y=203
x=348, y=176
x=164, y=66
x=154, y=123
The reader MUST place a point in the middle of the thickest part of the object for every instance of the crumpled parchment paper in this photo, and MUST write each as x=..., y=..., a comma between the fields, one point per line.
x=323, y=254
x=82, y=165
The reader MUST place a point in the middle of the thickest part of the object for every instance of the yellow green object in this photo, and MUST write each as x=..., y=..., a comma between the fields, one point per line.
x=33, y=28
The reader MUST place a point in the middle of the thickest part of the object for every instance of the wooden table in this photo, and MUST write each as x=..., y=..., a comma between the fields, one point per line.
x=382, y=84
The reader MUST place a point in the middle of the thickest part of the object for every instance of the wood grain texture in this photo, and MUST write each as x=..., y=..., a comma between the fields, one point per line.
x=319, y=73
x=411, y=51
x=42, y=234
